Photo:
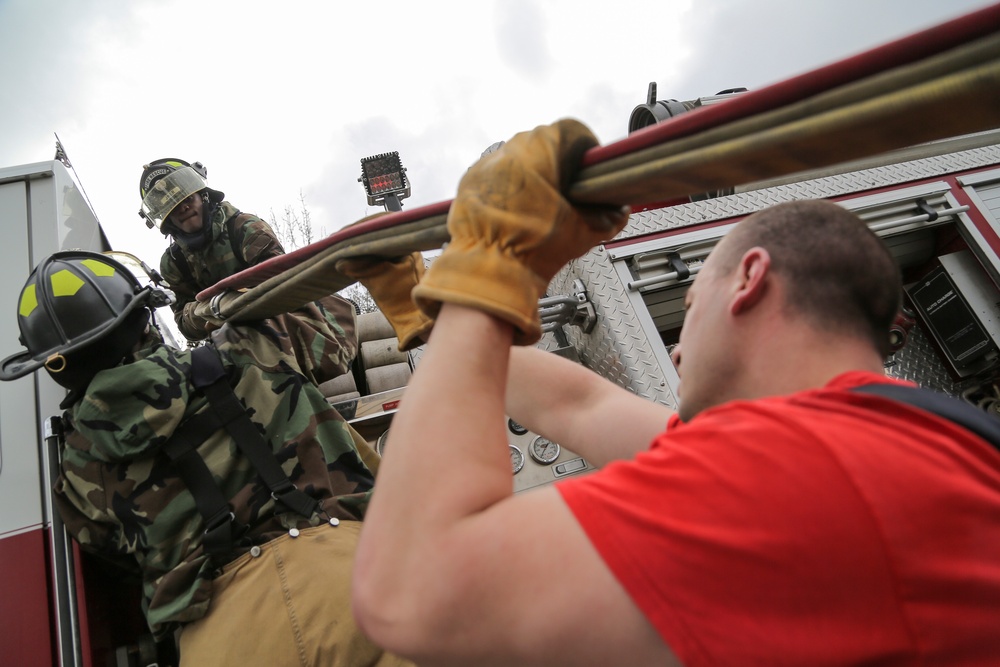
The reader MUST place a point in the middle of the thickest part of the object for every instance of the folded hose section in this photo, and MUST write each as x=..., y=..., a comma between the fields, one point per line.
x=936, y=84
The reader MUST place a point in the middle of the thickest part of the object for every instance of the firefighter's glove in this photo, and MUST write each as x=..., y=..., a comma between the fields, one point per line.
x=192, y=322
x=209, y=315
x=512, y=228
x=390, y=282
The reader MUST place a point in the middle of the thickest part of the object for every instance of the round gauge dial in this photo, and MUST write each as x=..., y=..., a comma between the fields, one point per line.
x=544, y=450
x=516, y=428
x=516, y=459
x=380, y=443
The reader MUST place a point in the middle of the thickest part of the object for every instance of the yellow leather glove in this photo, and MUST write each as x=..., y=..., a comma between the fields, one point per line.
x=390, y=282
x=512, y=228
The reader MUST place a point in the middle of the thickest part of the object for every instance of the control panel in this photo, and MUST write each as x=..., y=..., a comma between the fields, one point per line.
x=534, y=459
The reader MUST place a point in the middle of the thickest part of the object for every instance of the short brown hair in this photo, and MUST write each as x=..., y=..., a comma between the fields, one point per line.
x=839, y=274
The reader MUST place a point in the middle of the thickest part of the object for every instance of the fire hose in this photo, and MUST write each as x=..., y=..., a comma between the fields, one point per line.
x=939, y=83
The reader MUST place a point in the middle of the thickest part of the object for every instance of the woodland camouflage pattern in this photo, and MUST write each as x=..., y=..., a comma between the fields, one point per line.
x=119, y=496
x=216, y=261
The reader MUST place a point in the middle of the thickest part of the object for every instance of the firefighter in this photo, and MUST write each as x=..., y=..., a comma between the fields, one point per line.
x=784, y=516
x=211, y=239
x=219, y=474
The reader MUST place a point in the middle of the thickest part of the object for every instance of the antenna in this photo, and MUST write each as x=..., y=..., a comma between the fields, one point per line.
x=63, y=157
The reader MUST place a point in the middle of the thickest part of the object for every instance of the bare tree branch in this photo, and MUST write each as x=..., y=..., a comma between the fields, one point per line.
x=294, y=230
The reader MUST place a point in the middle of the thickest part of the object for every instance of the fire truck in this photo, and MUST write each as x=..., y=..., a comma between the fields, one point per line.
x=617, y=311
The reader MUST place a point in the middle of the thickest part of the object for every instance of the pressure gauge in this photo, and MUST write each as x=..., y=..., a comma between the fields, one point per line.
x=544, y=450
x=516, y=428
x=516, y=459
x=380, y=443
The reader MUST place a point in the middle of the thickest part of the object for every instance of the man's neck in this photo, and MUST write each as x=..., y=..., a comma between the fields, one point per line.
x=801, y=358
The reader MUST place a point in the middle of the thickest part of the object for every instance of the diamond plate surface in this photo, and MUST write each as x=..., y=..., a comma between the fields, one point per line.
x=920, y=362
x=617, y=349
x=744, y=203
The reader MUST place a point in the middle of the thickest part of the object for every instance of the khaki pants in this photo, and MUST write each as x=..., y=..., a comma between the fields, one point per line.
x=291, y=605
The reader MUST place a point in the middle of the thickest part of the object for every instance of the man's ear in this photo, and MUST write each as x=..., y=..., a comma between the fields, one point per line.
x=752, y=279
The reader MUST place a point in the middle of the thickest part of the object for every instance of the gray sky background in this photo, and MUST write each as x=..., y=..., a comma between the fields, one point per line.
x=278, y=98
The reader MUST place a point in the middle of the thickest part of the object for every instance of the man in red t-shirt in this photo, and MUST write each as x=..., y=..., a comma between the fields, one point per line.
x=779, y=518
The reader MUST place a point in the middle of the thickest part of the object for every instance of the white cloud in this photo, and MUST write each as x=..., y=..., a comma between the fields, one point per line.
x=521, y=30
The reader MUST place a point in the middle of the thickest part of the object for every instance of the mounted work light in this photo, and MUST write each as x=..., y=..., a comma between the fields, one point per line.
x=384, y=178
x=655, y=111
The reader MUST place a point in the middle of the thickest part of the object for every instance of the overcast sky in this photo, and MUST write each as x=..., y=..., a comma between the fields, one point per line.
x=278, y=98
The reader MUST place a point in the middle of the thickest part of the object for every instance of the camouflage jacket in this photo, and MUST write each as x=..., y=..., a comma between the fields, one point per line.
x=216, y=260
x=120, y=495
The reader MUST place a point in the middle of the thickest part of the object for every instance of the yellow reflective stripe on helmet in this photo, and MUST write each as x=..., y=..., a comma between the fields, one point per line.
x=65, y=283
x=98, y=267
x=29, y=301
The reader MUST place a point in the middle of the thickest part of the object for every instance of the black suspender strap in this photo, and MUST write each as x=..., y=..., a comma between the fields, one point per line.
x=222, y=529
x=208, y=375
x=954, y=410
x=221, y=526
x=234, y=243
x=180, y=261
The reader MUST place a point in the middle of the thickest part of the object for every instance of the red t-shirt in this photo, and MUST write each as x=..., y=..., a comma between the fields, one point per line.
x=823, y=528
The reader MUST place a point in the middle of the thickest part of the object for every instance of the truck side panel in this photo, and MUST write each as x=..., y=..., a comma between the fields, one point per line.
x=638, y=317
x=42, y=211
x=24, y=606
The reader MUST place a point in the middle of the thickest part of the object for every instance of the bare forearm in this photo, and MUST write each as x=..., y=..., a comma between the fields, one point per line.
x=447, y=455
x=579, y=409
x=453, y=410
x=442, y=502
x=444, y=531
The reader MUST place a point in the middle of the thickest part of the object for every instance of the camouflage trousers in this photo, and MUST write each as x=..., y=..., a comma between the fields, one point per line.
x=289, y=605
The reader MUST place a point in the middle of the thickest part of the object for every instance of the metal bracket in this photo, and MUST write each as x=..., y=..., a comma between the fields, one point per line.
x=574, y=310
x=926, y=209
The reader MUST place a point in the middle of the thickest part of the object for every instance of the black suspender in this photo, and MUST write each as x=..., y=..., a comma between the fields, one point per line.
x=180, y=261
x=222, y=529
x=963, y=414
x=234, y=243
x=208, y=375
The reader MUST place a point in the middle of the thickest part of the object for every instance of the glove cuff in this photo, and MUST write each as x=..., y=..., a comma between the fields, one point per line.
x=209, y=315
x=486, y=279
x=192, y=320
x=389, y=282
x=412, y=330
